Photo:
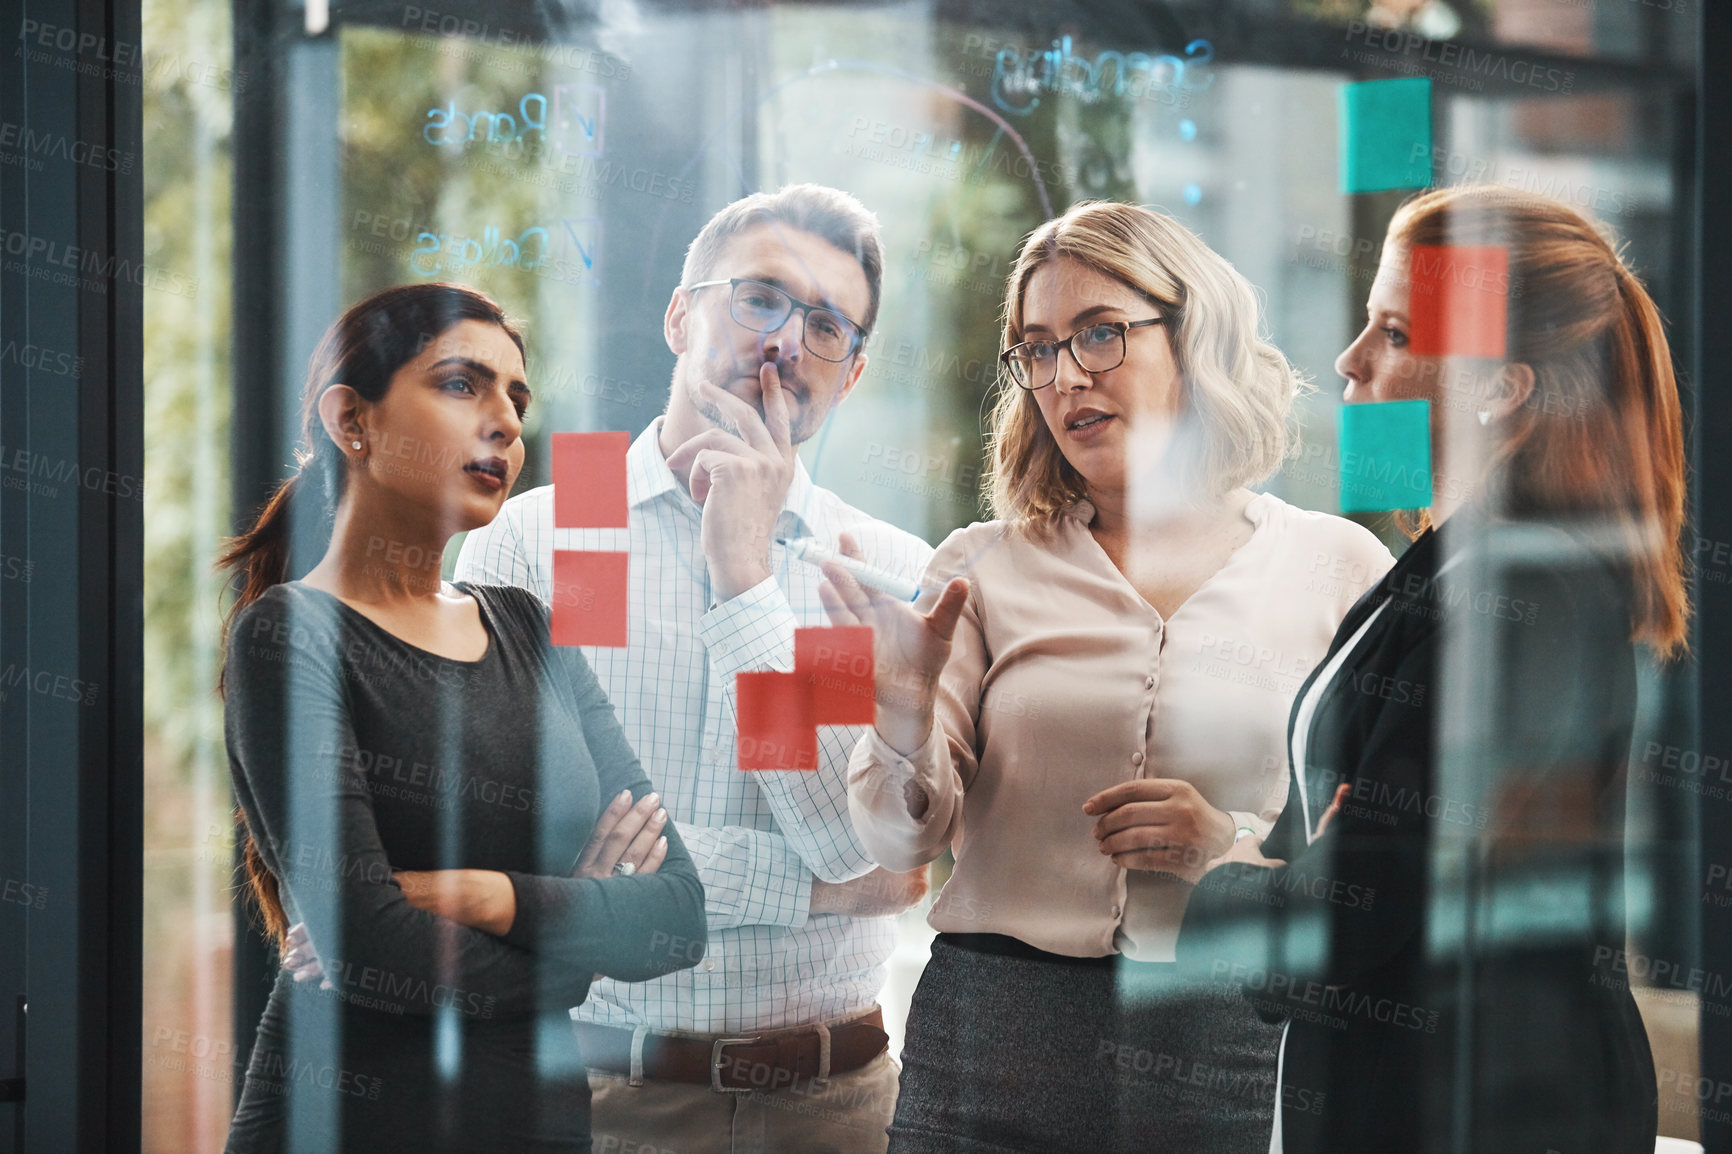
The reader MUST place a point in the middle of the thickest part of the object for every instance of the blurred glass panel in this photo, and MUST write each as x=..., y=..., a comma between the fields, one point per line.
x=190, y=1069
x=564, y=171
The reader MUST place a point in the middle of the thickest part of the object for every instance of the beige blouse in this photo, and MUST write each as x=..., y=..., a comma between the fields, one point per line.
x=1064, y=681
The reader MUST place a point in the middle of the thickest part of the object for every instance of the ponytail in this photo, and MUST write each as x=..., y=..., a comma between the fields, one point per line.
x=1642, y=362
x=259, y=559
x=262, y=884
x=1605, y=440
x=363, y=350
x=260, y=556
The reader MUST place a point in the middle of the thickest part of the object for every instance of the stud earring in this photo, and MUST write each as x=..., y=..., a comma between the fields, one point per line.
x=357, y=444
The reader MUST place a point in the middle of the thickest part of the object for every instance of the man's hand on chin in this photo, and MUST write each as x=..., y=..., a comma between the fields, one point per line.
x=741, y=479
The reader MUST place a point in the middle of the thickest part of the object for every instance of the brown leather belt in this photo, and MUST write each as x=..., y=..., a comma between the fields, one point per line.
x=767, y=1060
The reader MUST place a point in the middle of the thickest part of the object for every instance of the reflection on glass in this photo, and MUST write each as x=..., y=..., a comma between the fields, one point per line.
x=566, y=172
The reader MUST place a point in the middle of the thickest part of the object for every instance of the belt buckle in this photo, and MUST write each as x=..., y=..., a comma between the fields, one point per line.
x=716, y=1065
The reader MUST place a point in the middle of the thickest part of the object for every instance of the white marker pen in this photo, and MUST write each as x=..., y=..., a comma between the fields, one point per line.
x=811, y=551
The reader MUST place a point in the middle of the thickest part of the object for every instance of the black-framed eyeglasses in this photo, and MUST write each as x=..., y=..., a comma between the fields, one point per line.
x=764, y=308
x=1096, y=349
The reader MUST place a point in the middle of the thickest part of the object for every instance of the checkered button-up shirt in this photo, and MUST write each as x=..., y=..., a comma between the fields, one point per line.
x=758, y=838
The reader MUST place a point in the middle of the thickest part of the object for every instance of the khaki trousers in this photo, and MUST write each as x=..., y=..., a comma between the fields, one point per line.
x=846, y=1116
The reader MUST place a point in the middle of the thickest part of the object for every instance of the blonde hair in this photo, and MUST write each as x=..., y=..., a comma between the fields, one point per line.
x=1602, y=437
x=1239, y=388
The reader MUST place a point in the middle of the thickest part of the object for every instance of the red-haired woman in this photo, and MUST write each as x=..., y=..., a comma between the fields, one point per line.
x=1444, y=890
x=446, y=802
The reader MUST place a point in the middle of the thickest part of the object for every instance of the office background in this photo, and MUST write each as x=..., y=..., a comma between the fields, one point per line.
x=233, y=175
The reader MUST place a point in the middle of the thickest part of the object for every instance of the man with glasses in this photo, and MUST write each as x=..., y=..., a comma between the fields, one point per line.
x=773, y=1042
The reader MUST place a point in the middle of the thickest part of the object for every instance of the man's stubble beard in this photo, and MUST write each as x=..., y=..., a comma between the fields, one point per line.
x=803, y=424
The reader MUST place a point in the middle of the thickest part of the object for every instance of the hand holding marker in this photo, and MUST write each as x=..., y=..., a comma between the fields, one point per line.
x=813, y=552
x=910, y=648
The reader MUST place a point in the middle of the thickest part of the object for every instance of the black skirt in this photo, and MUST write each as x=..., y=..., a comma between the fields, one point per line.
x=1012, y=1049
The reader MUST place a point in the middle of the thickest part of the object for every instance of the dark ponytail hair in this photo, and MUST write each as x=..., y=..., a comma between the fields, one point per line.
x=363, y=350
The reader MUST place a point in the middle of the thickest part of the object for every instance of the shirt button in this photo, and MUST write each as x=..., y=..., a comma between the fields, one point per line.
x=1137, y=757
x=1115, y=911
x=709, y=963
x=1149, y=684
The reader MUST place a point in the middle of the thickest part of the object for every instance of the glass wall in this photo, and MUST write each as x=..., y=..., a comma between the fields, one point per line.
x=563, y=165
x=189, y=89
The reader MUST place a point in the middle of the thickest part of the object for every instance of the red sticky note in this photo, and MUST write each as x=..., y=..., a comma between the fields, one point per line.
x=776, y=730
x=779, y=713
x=1458, y=302
x=835, y=663
x=589, y=598
x=589, y=480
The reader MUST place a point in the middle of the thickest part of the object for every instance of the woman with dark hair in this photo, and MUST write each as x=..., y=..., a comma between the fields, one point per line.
x=445, y=801
x=1458, y=759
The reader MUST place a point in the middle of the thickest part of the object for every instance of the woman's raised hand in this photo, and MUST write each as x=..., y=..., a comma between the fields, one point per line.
x=910, y=647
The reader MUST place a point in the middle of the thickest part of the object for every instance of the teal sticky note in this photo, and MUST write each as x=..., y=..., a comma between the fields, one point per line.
x=1386, y=134
x=1385, y=456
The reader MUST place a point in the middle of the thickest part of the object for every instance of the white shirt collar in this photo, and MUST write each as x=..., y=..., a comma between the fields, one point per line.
x=647, y=477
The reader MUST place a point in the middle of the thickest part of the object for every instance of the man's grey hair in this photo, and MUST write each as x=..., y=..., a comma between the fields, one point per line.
x=827, y=213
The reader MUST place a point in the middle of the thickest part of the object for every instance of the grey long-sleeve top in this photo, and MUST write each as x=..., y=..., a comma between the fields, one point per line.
x=354, y=754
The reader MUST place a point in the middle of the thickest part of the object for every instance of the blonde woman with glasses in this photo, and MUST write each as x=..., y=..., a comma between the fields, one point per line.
x=1088, y=704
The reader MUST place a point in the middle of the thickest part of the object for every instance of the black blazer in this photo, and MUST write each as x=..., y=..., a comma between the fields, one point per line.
x=1445, y=953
